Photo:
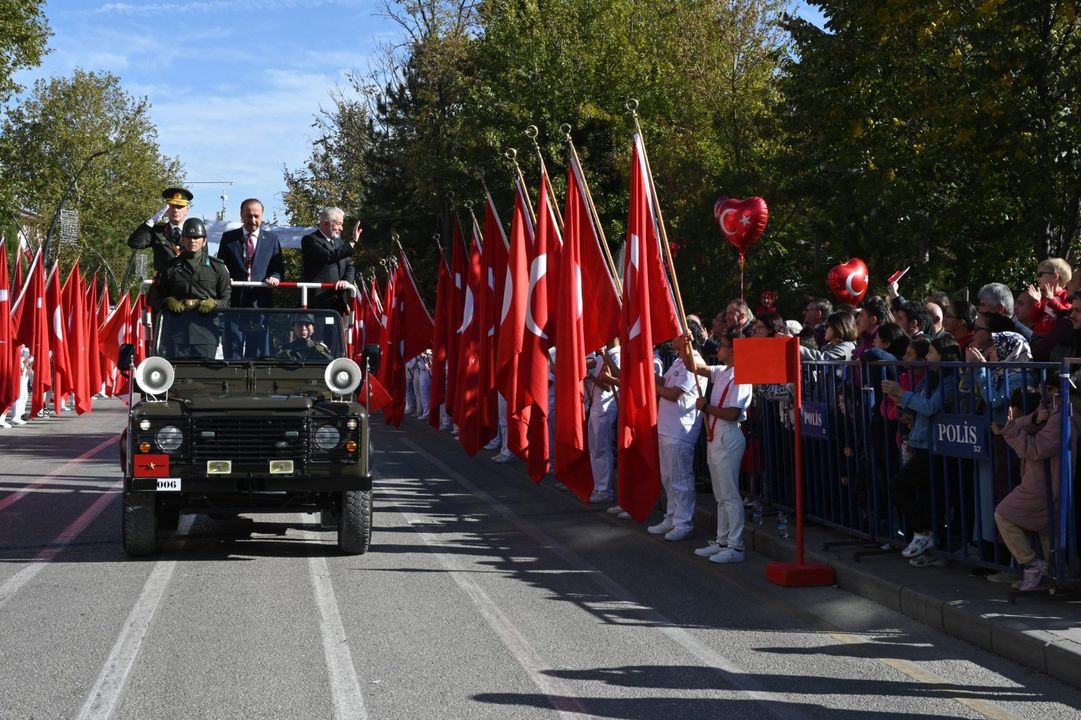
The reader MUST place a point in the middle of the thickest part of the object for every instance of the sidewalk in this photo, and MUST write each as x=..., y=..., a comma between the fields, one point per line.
x=1037, y=631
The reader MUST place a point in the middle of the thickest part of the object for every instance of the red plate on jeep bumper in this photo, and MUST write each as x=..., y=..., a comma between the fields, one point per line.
x=154, y=466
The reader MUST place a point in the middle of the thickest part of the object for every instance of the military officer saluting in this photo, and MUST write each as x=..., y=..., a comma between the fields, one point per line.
x=304, y=346
x=194, y=280
x=162, y=233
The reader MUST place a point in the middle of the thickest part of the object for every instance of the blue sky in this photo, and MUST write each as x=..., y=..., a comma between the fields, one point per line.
x=233, y=84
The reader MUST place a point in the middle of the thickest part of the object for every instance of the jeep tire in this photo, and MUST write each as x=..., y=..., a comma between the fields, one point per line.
x=139, y=524
x=355, y=522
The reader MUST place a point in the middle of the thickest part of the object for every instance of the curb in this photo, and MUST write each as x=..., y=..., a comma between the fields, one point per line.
x=979, y=621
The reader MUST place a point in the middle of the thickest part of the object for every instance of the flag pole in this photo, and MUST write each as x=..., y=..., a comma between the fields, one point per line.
x=632, y=106
x=512, y=155
x=566, y=129
x=532, y=132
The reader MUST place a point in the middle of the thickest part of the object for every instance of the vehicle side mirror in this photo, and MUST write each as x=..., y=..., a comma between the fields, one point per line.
x=124, y=358
x=371, y=357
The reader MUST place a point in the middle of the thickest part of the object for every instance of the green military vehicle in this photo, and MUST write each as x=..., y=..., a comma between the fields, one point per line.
x=246, y=411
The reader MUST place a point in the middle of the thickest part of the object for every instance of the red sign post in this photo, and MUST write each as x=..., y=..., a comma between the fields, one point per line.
x=759, y=361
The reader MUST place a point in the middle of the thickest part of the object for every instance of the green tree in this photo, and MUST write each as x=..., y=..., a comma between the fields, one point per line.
x=24, y=31
x=938, y=134
x=46, y=139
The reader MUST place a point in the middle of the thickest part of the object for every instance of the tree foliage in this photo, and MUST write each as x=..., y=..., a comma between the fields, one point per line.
x=24, y=31
x=45, y=141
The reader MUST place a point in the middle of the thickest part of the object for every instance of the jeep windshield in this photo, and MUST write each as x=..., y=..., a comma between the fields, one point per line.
x=281, y=335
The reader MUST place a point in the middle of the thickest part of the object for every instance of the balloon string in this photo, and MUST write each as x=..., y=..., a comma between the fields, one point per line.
x=741, y=297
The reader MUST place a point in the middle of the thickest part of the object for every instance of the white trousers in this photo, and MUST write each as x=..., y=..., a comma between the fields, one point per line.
x=410, y=399
x=677, y=477
x=602, y=434
x=422, y=389
x=724, y=455
x=501, y=403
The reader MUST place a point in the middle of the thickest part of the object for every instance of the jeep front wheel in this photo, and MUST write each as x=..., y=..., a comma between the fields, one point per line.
x=139, y=524
x=355, y=522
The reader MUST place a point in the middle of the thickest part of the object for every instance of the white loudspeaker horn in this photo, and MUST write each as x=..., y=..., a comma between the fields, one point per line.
x=155, y=375
x=342, y=376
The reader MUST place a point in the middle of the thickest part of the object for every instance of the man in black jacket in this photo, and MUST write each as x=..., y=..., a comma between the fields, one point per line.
x=327, y=257
x=252, y=253
x=161, y=233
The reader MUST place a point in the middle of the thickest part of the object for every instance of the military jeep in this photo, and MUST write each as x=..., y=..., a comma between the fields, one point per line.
x=236, y=412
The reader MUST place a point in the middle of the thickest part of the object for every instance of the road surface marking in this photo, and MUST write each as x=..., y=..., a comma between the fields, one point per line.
x=16, y=497
x=13, y=584
x=114, y=674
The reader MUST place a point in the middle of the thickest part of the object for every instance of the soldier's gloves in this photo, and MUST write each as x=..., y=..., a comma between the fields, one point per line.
x=174, y=305
x=207, y=305
x=157, y=216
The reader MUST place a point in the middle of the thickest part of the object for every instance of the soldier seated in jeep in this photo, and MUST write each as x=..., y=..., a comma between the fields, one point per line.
x=304, y=346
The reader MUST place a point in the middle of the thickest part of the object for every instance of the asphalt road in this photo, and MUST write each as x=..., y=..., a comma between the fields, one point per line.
x=484, y=596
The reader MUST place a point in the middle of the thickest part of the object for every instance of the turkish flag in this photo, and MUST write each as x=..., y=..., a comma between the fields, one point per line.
x=96, y=370
x=58, y=341
x=512, y=320
x=571, y=463
x=458, y=271
x=649, y=318
x=113, y=332
x=380, y=398
x=467, y=412
x=417, y=324
x=438, y=393
x=33, y=331
x=75, y=324
x=375, y=300
x=489, y=307
x=9, y=357
x=533, y=365
x=601, y=304
x=391, y=369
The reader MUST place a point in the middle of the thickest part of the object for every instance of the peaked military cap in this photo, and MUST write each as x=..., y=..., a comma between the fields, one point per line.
x=177, y=196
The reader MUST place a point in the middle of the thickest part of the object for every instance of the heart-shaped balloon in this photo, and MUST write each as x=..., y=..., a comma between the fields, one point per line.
x=741, y=221
x=849, y=281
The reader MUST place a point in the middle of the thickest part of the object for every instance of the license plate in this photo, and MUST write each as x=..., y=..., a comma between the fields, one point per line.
x=168, y=485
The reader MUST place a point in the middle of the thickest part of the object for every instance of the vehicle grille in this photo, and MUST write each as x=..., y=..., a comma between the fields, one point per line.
x=249, y=440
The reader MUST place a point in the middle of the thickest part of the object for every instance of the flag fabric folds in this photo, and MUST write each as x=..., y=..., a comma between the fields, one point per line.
x=467, y=410
x=9, y=359
x=443, y=318
x=649, y=317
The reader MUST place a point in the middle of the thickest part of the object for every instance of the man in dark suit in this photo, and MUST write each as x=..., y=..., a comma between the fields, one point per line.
x=327, y=257
x=252, y=253
x=161, y=233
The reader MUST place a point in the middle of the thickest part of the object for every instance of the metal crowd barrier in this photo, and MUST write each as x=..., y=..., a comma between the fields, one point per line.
x=853, y=448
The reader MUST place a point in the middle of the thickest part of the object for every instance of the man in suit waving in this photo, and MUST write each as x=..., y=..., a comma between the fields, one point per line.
x=327, y=257
x=252, y=253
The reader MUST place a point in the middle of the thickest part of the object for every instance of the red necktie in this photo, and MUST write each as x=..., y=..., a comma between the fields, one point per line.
x=251, y=252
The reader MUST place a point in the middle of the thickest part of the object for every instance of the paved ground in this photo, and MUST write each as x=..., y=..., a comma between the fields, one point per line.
x=483, y=596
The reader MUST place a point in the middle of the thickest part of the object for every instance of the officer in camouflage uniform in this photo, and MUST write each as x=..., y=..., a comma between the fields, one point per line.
x=304, y=346
x=162, y=232
x=193, y=281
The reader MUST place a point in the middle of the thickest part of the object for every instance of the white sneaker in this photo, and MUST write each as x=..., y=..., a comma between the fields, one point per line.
x=614, y=510
x=919, y=545
x=728, y=555
x=661, y=528
x=494, y=444
x=710, y=550
x=18, y=421
x=678, y=534
x=503, y=458
x=445, y=426
x=4, y=423
x=624, y=515
x=597, y=498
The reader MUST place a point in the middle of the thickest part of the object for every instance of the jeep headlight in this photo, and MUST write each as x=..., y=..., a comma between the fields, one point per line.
x=327, y=437
x=169, y=438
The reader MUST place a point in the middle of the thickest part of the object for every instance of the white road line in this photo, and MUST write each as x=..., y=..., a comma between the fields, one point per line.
x=13, y=584
x=344, y=684
x=559, y=695
x=114, y=674
x=776, y=703
x=16, y=497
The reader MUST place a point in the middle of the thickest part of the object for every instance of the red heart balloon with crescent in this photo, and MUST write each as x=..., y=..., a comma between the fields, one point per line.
x=849, y=281
x=741, y=221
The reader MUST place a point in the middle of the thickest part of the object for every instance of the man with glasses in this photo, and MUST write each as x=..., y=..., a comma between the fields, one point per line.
x=958, y=320
x=815, y=314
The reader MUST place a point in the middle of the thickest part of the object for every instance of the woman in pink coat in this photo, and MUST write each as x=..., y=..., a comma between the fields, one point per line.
x=1035, y=438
